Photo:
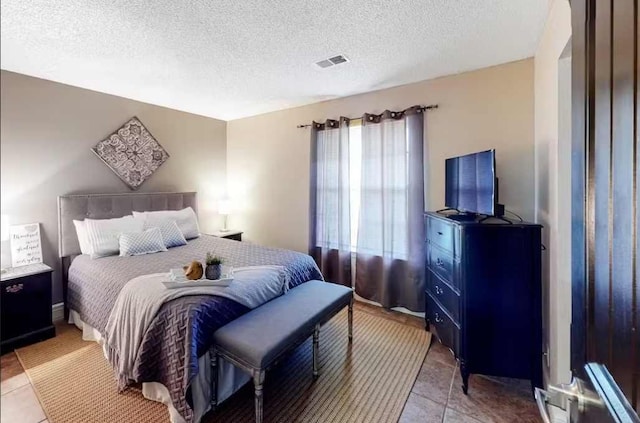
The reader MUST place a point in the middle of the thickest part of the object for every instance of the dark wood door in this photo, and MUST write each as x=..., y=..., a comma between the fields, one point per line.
x=605, y=178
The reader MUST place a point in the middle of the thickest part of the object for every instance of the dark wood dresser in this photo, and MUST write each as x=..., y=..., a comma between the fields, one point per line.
x=230, y=234
x=483, y=295
x=25, y=305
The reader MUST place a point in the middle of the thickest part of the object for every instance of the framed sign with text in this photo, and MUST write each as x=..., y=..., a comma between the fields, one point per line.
x=25, y=244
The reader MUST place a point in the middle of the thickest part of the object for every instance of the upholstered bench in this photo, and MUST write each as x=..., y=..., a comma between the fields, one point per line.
x=256, y=340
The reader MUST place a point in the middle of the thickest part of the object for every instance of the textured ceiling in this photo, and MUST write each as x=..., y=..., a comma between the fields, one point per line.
x=230, y=59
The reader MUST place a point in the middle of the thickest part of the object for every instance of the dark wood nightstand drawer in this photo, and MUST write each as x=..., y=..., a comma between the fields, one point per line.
x=25, y=304
x=442, y=234
x=445, y=295
x=442, y=263
x=448, y=331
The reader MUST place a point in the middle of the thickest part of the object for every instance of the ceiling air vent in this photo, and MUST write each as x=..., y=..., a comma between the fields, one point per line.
x=332, y=61
x=338, y=59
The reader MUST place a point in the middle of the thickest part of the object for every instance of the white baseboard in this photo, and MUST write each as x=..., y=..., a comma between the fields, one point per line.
x=399, y=309
x=57, y=312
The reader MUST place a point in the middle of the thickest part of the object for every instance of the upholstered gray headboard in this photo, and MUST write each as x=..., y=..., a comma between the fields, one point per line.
x=106, y=206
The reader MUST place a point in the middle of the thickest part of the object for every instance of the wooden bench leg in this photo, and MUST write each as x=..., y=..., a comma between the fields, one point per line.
x=351, y=320
x=213, y=358
x=258, y=381
x=316, y=343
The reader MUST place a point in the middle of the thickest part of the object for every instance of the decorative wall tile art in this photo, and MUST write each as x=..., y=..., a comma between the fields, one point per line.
x=132, y=153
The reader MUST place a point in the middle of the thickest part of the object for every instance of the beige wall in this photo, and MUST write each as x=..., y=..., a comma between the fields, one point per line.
x=268, y=157
x=47, y=130
x=553, y=178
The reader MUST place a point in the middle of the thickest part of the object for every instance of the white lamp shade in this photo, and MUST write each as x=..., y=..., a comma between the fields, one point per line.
x=224, y=207
x=5, y=227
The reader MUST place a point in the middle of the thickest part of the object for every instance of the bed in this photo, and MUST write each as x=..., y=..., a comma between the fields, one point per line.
x=172, y=363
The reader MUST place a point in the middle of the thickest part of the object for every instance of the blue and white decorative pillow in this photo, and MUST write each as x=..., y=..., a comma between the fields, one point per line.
x=138, y=243
x=171, y=233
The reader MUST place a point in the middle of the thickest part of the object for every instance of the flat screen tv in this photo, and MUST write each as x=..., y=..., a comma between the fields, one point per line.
x=471, y=184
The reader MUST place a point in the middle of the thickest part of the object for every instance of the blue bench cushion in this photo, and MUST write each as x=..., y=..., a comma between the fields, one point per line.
x=260, y=336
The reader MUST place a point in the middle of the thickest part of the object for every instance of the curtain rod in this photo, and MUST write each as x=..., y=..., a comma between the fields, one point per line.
x=423, y=108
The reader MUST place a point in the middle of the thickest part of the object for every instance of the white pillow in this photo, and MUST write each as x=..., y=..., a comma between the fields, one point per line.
x=138, y=243
x=103, y=234
x=171, y=233
x=83, y=237
x=186, y=219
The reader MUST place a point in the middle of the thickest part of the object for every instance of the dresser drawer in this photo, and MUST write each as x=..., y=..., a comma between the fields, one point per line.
x=442, y=263
x=446, y=296
x=448, y=331
x=442, y=234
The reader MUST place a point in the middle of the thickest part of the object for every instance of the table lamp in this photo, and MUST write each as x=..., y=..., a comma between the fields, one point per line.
x=224, y=208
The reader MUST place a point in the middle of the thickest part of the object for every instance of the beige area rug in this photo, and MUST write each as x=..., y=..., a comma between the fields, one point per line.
x=368, y=381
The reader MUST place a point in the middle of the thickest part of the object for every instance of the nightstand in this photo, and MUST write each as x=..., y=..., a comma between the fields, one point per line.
x=25, y=305
x=230, y=234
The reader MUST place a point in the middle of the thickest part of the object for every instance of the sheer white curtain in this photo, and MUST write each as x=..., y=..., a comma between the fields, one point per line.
x=330, y=225
x=390, y=248
x=384, y=212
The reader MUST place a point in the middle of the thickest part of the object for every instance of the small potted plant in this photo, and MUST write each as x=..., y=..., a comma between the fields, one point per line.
x=213, y=270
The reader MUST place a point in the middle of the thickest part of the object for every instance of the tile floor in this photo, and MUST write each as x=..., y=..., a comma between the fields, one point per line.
x=436, y=396
x=18, y=403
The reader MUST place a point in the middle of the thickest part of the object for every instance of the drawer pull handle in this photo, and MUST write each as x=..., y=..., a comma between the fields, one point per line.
x=438, y=318
x=12, y=289
x=439, y=262
x=439, y=290
x=440, y=233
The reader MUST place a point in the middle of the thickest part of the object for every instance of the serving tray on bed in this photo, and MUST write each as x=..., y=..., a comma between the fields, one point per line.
x=224, y=282
x=177, y=279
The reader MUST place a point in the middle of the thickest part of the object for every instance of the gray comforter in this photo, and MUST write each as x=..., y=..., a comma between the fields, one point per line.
x=182, y=329
x=141, y=298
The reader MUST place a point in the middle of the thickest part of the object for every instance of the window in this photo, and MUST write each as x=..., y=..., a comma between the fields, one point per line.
x=395, y=193
x=384, y=189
